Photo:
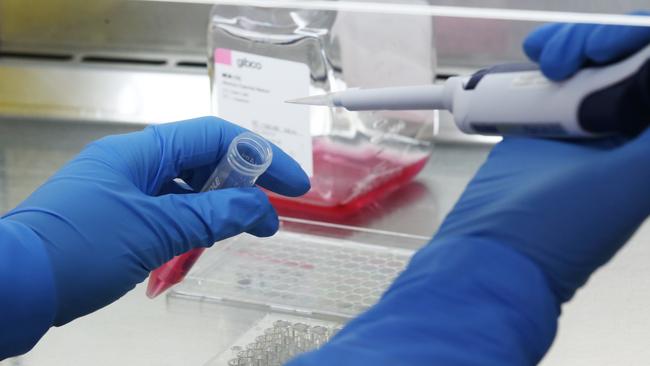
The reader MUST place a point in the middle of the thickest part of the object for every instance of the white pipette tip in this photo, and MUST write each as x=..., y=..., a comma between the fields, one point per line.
x=325, y=100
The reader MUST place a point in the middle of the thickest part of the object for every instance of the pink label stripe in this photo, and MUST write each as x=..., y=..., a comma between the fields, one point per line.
x=223, y=56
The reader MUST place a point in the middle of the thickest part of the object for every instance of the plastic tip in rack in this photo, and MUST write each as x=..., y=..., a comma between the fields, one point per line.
x=156, y=287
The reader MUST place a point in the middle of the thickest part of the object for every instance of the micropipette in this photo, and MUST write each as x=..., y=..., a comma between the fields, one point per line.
x=516, y=99
x=247, y=158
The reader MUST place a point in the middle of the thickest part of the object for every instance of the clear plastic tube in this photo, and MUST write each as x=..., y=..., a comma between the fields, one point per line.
x=247, y=158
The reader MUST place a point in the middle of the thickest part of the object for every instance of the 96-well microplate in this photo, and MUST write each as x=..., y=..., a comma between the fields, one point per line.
x=292, y=272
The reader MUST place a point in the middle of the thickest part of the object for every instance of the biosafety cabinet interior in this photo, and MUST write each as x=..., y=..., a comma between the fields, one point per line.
x=72, y=71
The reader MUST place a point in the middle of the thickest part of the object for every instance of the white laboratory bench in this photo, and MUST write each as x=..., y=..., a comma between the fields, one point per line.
x=608, y=323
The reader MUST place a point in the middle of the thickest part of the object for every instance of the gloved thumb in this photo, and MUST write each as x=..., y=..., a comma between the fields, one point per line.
x=200, y=219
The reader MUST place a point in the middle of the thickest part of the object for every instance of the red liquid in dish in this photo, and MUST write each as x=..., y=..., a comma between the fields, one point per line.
x=348, y=178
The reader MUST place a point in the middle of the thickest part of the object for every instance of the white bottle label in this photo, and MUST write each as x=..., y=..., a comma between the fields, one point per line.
x=251, y=91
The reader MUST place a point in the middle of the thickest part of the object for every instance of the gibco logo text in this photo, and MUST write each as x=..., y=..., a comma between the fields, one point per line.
x=243, y=62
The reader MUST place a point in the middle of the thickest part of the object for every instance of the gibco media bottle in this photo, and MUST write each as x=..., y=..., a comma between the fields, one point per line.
x=260, y=57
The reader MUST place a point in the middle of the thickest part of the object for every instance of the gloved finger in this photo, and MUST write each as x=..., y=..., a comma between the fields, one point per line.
x=200, y=143
x=608, y=43
x=563, y=54
x=187, y=221
x=536, y=41
x=267, y=225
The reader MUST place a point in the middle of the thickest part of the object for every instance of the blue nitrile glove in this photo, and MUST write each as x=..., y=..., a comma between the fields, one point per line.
x=106, y=219
x=535, y=222
x=562, y=49
x=538, y=218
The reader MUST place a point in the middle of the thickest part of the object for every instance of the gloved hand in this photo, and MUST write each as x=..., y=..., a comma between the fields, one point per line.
x=538, y=218
x=562, y=49
x=536, y=221
x=107, y=218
